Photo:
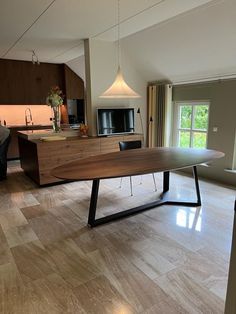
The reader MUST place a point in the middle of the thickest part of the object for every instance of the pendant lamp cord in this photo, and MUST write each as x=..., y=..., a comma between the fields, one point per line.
x=118, y=30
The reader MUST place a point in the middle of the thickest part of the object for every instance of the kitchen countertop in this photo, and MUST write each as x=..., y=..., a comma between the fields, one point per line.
x=36, y=134
x=13, y=126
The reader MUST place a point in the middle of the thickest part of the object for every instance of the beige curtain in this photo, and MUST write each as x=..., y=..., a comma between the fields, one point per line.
x=159, y=114
x=151, y=123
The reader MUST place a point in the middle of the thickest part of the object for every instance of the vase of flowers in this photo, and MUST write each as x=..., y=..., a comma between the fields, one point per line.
x=55, y=100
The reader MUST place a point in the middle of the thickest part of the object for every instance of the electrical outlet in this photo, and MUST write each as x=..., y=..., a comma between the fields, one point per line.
x=215, y=129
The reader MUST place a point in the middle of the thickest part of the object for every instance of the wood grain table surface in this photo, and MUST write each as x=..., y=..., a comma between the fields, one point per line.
x=134, y=162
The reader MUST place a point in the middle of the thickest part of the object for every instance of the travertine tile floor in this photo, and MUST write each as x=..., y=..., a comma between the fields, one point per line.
x=166, y=260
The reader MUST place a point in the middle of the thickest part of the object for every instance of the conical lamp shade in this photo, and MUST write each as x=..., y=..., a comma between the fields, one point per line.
x=119, y=89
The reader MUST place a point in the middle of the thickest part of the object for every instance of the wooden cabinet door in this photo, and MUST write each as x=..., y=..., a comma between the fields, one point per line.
x=22, y=82
x=74, y=85
x=110, y=144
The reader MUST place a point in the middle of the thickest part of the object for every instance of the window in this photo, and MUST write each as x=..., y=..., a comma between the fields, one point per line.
x=191, y=124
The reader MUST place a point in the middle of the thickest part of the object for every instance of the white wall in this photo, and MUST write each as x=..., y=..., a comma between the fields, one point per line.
x=78, y=66
x=197, y=45
x=101, y=67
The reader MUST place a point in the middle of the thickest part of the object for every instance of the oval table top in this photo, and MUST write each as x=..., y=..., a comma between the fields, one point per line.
x=134, y=162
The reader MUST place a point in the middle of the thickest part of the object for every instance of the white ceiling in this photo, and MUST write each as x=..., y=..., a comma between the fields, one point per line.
x=199, y=45
x=178, y=40
x=56, y=29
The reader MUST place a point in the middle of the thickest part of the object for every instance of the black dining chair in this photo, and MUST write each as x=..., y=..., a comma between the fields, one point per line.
x=126, y=145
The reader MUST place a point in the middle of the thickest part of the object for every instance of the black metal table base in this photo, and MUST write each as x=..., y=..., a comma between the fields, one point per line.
x=93, y=222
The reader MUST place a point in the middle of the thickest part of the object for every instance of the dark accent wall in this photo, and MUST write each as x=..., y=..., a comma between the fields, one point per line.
x=222, y=97
x=74, y=85
x=22, y=82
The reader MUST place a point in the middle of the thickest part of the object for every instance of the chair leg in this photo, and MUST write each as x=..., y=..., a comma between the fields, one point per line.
x=154, y=181
x=120, y=182
x=131, y=187
x=141, y=180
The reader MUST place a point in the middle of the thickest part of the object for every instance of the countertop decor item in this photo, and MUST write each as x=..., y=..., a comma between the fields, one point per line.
x=83, y=130
x=55, y=100
x=52, y=138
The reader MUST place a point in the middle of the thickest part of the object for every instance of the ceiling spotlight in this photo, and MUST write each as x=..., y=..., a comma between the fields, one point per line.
x=35, y=59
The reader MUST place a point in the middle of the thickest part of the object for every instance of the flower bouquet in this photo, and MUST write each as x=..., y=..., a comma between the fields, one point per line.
x=55, y=100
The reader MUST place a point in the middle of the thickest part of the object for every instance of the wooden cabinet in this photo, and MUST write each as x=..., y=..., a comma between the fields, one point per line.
x=39, y=158
x=13, y=150
x=110, y=144
x=74, y=85
x=22, y=82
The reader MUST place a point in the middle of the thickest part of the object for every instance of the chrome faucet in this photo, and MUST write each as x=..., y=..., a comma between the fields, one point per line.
x=28, y=117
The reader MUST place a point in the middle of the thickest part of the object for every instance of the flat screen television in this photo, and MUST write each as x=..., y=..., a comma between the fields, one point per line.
x=115, y=121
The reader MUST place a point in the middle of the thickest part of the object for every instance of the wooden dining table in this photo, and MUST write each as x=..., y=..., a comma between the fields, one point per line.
x=131, y=163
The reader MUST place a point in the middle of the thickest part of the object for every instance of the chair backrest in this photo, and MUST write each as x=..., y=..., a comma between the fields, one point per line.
x=130, y=145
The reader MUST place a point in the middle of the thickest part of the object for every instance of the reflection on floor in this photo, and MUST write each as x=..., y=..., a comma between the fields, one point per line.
x=166, y=260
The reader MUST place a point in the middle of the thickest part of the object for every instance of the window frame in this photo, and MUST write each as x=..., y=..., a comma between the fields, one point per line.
x=191, y=130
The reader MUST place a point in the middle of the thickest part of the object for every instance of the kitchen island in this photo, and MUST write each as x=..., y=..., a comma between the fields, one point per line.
x=13, y=150
x=39, y=157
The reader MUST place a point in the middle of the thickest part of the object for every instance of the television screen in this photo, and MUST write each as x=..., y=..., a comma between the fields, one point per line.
x=115, y=121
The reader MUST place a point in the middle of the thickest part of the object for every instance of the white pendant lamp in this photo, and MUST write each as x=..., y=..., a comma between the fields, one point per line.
x=119, y=88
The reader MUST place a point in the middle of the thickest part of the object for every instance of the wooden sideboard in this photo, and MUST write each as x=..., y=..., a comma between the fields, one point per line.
x=38, y=158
